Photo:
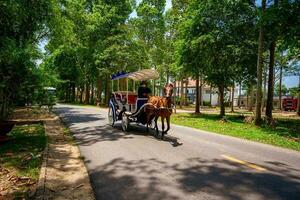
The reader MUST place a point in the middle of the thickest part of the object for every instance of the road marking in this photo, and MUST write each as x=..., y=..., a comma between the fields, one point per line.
x=253, y=166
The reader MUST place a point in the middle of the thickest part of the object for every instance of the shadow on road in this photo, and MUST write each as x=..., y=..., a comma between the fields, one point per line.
x=90, y=131
x=73, y=116
x=219, y=178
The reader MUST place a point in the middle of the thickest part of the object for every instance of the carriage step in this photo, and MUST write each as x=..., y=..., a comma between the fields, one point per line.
x=127, y=113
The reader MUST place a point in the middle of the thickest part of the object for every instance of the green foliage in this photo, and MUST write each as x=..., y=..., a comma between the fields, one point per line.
x=89, y=40
x=284, y=90
x=293, y=91
x=217, y=41
x=22, y=23
x=285, y=134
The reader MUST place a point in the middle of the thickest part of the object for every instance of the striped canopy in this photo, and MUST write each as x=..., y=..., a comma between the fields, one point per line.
x=142, y=75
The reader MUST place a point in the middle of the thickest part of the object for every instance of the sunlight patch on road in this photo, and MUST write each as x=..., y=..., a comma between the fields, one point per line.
x=253, y=166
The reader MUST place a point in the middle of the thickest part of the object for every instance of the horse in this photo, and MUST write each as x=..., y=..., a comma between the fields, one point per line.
x=160, y=107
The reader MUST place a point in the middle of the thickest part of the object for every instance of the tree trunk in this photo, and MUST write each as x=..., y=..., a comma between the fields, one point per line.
x=263, y=105
x=257, y=119
x=222, y=105
x=107, y=90
x=92, y=94
x=298, y=103
x=232, y=98
x=181, y=94
x=73, y=92
x=99, y=90
x=280, y=88
x=201, y=94
x=154, y=87
x=186, y=102
x=81, y=94
x=269, y=107
x=197, y=107
x=175, y=95
x=250, y=104
x=240, y=93
x=210, y=95
x=68, y=92
x=87, y=94
x=168, y=76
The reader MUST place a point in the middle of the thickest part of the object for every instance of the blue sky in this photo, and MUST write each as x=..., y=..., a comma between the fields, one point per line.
x=168, y=5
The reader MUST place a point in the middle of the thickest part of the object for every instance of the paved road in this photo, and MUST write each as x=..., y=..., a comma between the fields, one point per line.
x=188, y=164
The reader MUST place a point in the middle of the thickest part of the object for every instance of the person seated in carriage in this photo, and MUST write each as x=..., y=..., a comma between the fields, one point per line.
x=144, y=91
x=143, y=95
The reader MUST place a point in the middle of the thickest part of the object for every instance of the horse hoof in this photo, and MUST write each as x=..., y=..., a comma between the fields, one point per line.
x=162, y=136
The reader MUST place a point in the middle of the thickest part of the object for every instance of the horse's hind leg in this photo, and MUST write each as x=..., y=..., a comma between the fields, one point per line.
x=168, y=124
x=162, y=124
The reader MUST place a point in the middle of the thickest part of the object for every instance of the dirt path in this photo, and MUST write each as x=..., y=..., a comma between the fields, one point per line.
x=65, y=176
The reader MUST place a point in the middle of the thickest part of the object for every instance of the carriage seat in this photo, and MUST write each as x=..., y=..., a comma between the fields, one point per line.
x=132, y=99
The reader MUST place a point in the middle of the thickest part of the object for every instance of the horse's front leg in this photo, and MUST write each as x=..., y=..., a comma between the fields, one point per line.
x=162, y=127
x=168, y=124
x=147, y=120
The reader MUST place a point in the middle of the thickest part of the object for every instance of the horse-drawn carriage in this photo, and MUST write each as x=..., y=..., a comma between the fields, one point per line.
x=127, y=107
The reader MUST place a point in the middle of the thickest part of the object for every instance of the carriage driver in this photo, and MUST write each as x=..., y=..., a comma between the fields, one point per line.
x=143, y=91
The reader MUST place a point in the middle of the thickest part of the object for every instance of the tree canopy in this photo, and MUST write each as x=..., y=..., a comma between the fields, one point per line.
x=88, y=40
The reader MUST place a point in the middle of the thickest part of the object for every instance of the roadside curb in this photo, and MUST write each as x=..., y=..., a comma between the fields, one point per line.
x=56, y=182
x=40, y=189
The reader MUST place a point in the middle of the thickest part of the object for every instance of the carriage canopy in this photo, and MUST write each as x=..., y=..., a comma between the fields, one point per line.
x=142, y=75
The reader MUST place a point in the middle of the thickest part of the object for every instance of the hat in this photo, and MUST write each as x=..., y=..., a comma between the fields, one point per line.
x=143, y=83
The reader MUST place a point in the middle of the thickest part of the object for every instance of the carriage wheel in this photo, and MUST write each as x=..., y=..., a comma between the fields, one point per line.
x=125, y=122
x=110, y=116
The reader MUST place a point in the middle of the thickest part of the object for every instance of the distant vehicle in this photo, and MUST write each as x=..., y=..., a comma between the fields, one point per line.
x=289, y=104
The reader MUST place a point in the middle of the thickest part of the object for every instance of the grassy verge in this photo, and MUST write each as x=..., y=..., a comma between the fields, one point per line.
x=285, y=134
x=21, y=158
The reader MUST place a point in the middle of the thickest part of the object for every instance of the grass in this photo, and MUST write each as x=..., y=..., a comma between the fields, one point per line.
x=69, y=136
x=22, y=151
x=286, y=133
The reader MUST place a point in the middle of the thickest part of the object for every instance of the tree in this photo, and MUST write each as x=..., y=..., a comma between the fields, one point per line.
x=88, y=41
x=212, y=41
x=259, y=67
x=280, y=24
x=22, y=25
x=150, y=32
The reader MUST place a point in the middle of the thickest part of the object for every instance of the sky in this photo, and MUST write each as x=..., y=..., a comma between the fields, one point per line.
x=168, y=6
x=290, y=81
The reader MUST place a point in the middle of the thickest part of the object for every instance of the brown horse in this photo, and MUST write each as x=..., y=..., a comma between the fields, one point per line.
x=160, y=107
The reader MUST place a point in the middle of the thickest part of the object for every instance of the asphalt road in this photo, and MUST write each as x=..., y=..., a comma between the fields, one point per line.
x=188, y=164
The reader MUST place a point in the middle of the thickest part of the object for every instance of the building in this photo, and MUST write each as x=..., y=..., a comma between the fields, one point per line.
x=209, y=94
